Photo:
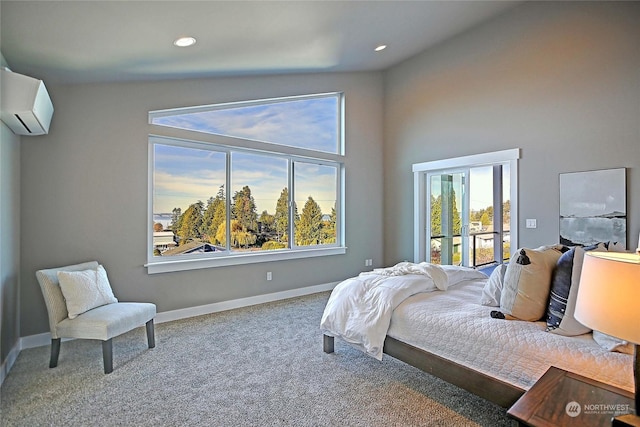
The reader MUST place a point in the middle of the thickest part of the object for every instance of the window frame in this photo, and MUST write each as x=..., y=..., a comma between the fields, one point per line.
x=159, y=134
x=421, y=215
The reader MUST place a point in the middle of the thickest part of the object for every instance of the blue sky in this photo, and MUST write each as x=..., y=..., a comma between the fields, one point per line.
x=183, y=176
x=305, y=123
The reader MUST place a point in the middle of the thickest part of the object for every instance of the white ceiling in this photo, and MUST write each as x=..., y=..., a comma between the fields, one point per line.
x=95, y=41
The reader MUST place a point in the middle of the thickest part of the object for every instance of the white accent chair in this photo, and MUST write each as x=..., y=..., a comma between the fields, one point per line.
x=100, y=323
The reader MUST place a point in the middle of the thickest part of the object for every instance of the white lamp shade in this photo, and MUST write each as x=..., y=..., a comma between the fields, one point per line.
x=609, y=294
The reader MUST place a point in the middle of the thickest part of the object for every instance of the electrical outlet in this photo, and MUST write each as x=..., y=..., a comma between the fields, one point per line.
x=368, y=262
x=531, y=223
x=269, y=275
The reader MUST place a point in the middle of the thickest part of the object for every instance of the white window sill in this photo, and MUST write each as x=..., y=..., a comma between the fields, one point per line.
x=155, y=266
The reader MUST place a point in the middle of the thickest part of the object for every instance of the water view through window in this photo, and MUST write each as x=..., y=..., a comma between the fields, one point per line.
x=214, y=200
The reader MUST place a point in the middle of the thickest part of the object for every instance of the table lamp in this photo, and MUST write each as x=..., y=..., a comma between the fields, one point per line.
x=609, y=301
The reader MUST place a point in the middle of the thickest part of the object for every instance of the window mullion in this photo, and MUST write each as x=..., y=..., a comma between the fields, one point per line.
x=292, y=204
x=228, y=201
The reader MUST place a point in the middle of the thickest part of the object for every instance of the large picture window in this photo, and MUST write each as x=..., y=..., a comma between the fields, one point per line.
x=238, y=196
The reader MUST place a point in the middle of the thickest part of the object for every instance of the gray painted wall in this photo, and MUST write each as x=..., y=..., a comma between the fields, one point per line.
x=9, y=241
x=559, y=80
x=84, y=190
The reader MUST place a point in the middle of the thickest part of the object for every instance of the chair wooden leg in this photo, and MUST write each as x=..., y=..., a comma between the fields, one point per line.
x=151, y=339
x=327, y=344
x=107, y=355
x=55, y=352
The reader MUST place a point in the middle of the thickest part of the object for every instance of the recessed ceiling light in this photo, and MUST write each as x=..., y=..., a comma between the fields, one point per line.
x=381, y=47
x=185, y=41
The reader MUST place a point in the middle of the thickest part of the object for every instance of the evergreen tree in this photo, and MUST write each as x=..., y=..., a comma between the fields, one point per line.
x=436, y=216
x=207, y=218
x=176, y=215
x=281, y=218
x=215, y=215
x=244, y=210
x=457, y=218
x=191, y=223
x=309, y=227
x=267, y=221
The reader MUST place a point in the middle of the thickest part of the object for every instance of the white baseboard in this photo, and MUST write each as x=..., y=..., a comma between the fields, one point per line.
x=39, y=340
x=9, y=361
x=168, y=316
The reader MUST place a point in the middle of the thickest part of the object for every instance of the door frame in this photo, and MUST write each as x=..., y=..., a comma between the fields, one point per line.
x=420, y=210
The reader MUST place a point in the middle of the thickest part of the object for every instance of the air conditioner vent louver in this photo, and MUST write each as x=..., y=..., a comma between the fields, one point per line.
x=25, y=104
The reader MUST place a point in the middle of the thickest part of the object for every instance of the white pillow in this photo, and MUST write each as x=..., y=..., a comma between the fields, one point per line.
x=610, y=343
x=493, y=288
x=84, y=290
x=457, y=274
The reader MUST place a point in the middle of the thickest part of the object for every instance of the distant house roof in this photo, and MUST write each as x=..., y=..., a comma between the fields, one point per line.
x=163, y=238
x=192, y=248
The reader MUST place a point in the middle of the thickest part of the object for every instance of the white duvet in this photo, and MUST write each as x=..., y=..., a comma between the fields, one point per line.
x=359, y=309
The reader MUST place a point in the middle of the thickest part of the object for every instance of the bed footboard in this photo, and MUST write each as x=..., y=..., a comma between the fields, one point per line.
x=485, y=386
x=482, y=385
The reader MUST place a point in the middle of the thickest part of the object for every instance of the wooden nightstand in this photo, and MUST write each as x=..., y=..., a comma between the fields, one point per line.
x=562, y=398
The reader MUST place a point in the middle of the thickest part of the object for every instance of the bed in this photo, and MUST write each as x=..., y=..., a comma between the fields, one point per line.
x=448, y=333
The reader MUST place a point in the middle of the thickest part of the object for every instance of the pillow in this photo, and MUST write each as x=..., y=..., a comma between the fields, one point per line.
x=84, y=290
x=493, y=288
x=564, y=292
x=457, y=274
x=615, y=246
x=610, y=343
x=560, y=286
x=527, y=282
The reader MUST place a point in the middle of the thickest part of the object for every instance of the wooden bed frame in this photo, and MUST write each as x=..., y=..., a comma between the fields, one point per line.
x=485, y=386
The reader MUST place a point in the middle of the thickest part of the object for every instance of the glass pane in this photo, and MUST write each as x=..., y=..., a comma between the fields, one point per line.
x=310, y=123
x=315, y=204
x=188, y=199
x=506, y=211
x=446, y=219
x=259, y=202
x=481, y=229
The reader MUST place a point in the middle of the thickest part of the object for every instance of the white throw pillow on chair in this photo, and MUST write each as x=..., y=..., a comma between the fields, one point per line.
x=84, y=290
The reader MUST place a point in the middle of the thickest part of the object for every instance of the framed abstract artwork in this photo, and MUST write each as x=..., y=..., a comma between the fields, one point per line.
x=593, y=207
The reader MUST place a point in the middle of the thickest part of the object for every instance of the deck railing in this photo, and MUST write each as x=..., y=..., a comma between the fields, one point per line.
x=480, y=255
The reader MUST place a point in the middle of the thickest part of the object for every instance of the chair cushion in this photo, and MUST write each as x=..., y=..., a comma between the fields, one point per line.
x=84, y=290
x=107, y=321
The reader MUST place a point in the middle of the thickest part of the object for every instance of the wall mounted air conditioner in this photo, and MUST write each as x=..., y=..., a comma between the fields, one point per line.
x=25, y=104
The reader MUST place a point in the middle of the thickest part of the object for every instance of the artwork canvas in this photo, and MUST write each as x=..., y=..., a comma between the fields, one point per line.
x=593, y=207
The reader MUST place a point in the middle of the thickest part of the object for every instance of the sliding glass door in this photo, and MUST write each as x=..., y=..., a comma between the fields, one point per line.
x=465, y=209
x=448, y=202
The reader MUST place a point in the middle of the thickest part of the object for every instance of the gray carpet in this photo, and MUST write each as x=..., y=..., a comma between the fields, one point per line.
x=256, y=366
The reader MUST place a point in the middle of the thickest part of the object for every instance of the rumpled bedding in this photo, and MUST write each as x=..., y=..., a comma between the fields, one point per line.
x=359, y=309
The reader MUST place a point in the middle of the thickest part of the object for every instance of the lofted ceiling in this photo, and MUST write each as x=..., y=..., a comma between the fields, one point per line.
x=103, y=41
